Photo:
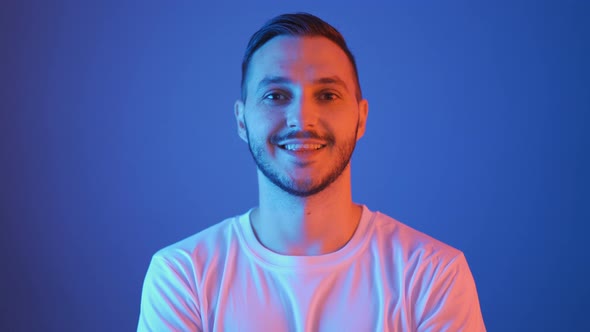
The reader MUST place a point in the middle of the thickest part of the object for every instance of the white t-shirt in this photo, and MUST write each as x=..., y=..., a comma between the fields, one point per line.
x=388, y=277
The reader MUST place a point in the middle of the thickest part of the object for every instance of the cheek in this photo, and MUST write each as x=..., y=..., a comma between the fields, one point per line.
x=263, y=124
x=344, y=126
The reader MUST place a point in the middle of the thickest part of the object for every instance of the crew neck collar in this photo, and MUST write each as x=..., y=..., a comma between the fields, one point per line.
x=275, y=260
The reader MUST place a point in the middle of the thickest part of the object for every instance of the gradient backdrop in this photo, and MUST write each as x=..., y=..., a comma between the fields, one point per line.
x=117, y=138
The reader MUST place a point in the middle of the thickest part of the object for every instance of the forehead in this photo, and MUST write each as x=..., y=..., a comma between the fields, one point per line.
x=300, y=59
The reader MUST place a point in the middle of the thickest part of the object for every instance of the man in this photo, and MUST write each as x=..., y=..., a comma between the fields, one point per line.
x=307, y=258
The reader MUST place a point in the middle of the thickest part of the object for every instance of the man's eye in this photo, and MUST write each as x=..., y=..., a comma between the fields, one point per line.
x=275, y=96
x=328, y=96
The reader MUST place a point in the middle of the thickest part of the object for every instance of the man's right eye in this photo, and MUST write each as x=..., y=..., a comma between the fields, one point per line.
x=275, y=96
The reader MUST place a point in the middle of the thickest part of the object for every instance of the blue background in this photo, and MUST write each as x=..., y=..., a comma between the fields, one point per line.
x=117, y=138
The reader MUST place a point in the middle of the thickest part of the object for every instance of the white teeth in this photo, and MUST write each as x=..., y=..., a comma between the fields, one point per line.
x=297, y=147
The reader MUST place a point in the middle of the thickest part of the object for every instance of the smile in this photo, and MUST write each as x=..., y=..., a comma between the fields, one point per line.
x=301, y=146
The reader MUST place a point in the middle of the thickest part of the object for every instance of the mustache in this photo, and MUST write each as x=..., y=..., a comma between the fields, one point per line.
x=301, y=134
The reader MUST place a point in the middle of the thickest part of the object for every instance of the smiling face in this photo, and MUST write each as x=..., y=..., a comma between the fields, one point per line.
x=301, y=118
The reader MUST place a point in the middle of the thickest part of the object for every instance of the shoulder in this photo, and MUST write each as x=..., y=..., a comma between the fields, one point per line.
x=410, y=243
x=435, y=276
x=173, y=283
x=199, y=248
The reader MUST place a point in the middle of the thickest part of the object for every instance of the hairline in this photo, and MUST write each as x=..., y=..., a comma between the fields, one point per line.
x=334, y=79
x=279, y=26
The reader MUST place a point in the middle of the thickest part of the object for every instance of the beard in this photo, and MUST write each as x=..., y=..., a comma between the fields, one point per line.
x=307, y=186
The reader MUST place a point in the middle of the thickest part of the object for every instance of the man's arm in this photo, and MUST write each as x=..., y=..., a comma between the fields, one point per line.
x=168, y=300
x=449, y=301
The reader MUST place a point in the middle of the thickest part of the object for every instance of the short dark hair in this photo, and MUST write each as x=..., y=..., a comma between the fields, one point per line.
x=298, y=25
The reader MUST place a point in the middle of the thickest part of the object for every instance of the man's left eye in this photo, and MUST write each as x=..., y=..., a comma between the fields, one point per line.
x=328, y=96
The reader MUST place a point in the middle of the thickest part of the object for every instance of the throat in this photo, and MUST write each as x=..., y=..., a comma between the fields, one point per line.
x=307, y=235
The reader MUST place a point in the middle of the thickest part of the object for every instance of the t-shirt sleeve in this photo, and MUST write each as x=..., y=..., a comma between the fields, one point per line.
x=450, y=302
x=168, y=300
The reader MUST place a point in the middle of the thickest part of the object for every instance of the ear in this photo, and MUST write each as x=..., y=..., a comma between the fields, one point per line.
x=239, y=113
x=363, y=114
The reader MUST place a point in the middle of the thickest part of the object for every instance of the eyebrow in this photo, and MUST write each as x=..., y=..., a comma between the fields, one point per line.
x=284, y=80
x=268, y=80
x=332, y=80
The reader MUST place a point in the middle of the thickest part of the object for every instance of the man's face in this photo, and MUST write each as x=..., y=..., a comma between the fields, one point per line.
x=301, y=118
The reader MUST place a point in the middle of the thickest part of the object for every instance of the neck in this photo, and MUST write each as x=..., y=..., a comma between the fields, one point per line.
x=305, y=226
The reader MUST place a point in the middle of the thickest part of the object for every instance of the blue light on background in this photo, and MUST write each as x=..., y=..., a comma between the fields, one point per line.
x=117, y=138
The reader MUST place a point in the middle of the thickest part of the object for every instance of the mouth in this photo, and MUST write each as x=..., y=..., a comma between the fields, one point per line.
x=301, y=147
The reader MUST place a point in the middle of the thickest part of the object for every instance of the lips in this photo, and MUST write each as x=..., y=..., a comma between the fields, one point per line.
x=301, y=146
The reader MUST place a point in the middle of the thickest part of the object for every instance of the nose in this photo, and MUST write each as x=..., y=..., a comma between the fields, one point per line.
x=302, y=114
